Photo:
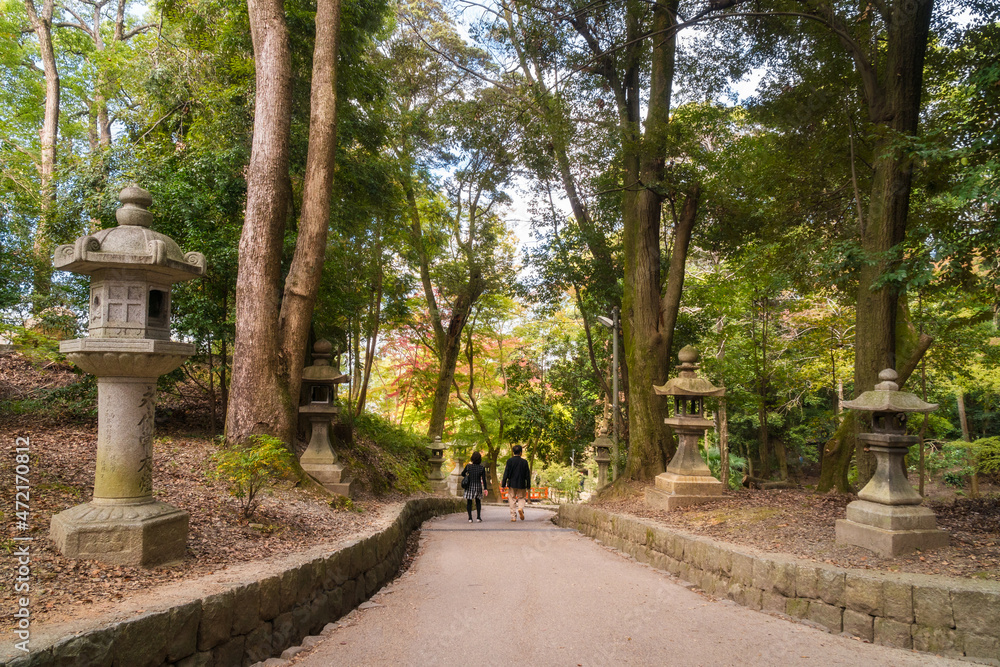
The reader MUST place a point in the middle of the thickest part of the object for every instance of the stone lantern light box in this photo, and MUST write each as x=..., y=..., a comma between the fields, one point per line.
x=132, y=269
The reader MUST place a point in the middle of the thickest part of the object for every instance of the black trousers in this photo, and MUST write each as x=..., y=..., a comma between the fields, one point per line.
x=479, y=507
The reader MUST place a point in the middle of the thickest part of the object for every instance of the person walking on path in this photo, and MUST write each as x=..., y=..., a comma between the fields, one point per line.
x=517, y=481
x=475, y=489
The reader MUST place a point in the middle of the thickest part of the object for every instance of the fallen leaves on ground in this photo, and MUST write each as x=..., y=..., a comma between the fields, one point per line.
x=802, y=523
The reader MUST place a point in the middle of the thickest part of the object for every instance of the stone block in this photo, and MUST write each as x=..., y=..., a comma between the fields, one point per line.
x=897, y=600
x=371, y=583
x=829, y=616
x=257, y=647
x=932, y=606
x=863, y=593
x=216, y=620
x=41, y=658
x=282, y=632
x=318, y=614
x=977, y=646
x=773, y=601
x=92, y=648
x=289, y=589
x=976, y=612
x=246, y=608
x=830, y=582
x=718, y=558
x=742, y=568
x=305, y=582
x=270, y=597
x=337, y=567
x=943, y=641
x=202, y=659
x=335, y=604
x=182, y=632
x=230, y=653
x=302, y=619
x=763, y=574
x=349, y=595
x=859, y=624
x=892, y=633
x=806, y=581
x=142, y=641
x=783, y=574
x=144, y=535
x=889, y=543
x=797, y=607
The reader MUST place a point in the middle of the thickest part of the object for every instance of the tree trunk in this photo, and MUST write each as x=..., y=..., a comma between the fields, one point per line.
x=446, y=371
x=302, y=282
x=259, y=401
x=723, y=443
x=974, y=479
x=648, y=322
x=370, y=343
x=48, y=137
x=896, y=113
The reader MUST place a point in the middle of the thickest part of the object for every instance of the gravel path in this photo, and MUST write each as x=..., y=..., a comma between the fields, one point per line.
x=501, y=593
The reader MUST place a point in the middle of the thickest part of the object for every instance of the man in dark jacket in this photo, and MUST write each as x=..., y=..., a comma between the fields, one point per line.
x=517, y=481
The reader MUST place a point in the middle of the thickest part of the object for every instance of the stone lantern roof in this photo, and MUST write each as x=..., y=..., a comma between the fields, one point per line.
x=131, y=245
x=687, y=382
x=886, y=397
x=321, y=372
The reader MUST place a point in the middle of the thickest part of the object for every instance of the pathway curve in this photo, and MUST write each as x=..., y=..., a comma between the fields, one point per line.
x=530, y=593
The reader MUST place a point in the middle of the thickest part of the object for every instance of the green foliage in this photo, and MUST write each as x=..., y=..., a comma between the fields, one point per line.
x=385, y=457
x=737, y=466
x=987, y=454
x=565, y=479
x=251, y=468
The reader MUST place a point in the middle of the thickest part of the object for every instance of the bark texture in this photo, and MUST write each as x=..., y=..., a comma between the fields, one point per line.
x=259, y=394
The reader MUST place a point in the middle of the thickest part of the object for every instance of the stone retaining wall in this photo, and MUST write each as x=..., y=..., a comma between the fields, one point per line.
x=251, y=620
x=943, y=615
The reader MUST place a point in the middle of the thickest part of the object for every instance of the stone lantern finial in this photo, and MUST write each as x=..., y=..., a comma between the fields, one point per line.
x=135, y=202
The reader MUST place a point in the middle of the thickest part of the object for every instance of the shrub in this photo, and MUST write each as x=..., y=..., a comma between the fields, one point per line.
x=251, y=468
x=737, y=466
x=987, y=454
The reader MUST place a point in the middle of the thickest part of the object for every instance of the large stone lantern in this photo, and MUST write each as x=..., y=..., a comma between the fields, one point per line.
x=602, y=454
x=888, y=517
x=436, y=476
x=319, y=393
x=688, y=480
x=132, y=269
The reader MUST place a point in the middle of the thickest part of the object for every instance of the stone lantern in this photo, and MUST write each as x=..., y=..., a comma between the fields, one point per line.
x=319, y=392
x=888, y=517
x=687, y=481
x=132, y=269
x=455, y=480
x=602, y=454
x=436, y=457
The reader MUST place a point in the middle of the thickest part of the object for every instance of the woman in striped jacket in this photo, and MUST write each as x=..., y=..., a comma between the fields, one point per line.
x=476, y=488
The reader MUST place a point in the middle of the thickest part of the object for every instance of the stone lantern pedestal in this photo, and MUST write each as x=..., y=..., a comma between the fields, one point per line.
x=319, y=389
x=888, y=517
x=436, y=476
x=688, y=480
x=129, y=346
